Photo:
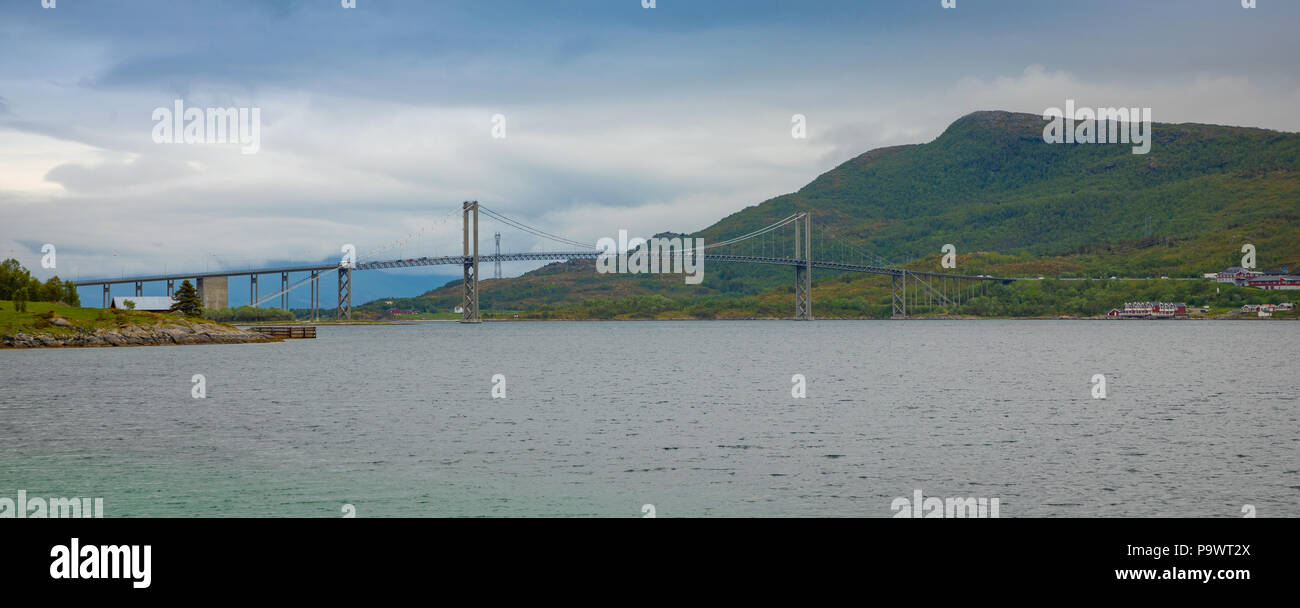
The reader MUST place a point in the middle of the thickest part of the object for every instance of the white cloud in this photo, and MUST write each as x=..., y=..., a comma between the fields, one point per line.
x=1234, y=100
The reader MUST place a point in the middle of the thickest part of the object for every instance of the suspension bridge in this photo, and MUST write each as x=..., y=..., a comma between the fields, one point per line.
x=790, y=242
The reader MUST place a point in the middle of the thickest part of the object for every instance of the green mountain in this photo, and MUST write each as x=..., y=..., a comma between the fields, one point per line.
x=990, y=183
x=1012, y=204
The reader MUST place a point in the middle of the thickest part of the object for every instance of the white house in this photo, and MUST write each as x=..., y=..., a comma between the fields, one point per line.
x=151, y=303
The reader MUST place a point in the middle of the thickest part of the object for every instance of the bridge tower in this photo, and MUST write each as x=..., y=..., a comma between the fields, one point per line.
x=469, y=264
x=899, y=296
x=497, y=271
x=315, y=293
x=345, y=291
x=803, y=272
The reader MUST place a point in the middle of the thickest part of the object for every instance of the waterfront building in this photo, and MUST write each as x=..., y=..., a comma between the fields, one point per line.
x=1152, y=310
x=150, y=303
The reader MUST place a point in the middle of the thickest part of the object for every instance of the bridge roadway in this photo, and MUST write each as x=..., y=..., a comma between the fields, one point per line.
x=457, y=260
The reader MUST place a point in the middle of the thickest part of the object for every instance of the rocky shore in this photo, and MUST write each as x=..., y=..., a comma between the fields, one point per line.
x=134, y=335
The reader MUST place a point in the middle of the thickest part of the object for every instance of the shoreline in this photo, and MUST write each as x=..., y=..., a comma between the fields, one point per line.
x=136, y=335
x=925, y=318
x=207, y=332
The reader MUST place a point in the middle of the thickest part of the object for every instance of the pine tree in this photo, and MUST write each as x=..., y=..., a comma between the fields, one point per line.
x=187, y=300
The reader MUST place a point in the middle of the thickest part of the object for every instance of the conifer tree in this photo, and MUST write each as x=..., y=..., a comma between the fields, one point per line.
x=187, y=300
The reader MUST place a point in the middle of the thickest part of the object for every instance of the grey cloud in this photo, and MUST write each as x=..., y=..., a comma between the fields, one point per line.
x=144, y=171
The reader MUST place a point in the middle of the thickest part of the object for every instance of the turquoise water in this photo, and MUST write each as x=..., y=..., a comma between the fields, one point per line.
x=695, y=418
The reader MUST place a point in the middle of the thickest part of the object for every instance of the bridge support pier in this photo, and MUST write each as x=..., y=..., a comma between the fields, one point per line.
x=469, y=264
x=139, y=289
x=171, y=287
x=284, y=291
x=106, y=298
x=802, y=304
x=345, y=292
x=252, y=290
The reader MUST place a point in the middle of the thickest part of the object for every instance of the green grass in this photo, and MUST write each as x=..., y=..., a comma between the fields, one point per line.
x=38, y=317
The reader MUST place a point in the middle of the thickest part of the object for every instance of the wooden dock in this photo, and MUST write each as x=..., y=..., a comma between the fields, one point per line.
x=287, y=332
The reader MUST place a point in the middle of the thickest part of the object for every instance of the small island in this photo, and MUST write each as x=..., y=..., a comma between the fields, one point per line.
x=46, y=315
x=47, y=324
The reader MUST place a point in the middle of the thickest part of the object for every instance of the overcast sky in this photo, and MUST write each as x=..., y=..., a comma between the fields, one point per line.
x=377, y=121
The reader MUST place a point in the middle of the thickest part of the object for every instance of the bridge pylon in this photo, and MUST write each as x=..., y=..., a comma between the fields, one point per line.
x=315, y=294
x=803, y=272
x=469, y=264
x=899, y=295
x=345, y=292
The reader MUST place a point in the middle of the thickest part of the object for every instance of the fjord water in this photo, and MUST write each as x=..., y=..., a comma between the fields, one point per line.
x=695, y=418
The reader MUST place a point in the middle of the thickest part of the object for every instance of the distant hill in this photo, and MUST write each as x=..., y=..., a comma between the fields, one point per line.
x=990, y=184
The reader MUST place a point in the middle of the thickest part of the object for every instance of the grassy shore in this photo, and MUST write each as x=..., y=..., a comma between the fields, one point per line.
x=46, y=324
x=41, y=317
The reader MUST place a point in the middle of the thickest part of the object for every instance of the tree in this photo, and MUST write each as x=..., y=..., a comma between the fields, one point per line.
x=20, y=299
x=187, y=300
x=129, y=304
x=70, y=295
x=12, y=277
x=52, y=290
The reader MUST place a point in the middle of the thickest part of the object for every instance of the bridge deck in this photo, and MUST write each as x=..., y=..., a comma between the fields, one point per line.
x=457, y=260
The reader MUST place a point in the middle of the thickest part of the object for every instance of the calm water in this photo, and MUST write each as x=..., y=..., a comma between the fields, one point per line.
x=695, y=418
